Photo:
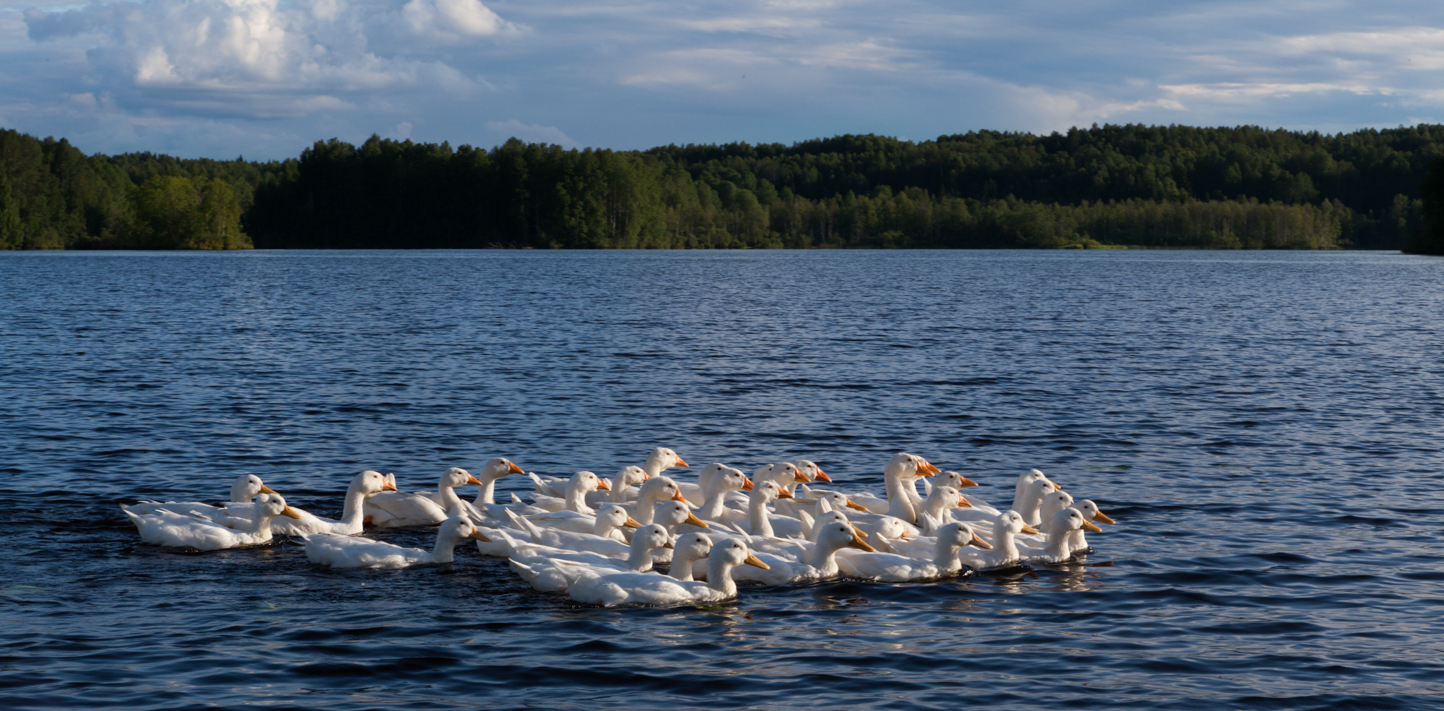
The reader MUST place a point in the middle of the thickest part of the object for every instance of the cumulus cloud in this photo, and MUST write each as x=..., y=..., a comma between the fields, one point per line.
x=531, y=133
x=258, y=59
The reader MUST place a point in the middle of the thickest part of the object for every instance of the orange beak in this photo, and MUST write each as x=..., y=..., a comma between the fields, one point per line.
x=967, y=483
x=266, y=489
x=512, y=468
x=799, y=478
x=681, y=463
x=854, y=505
x=823, y=475
x=782, y=494
x=646, y=476
x=963, y=503
x=931, y=469
x=677, y=496
x=602, y=486
x=388, y=486
x=746, y=484
x=472, y=480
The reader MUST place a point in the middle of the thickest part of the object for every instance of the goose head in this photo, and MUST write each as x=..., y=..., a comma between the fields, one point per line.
x=729, y=479
x=661, y=459
x=906, y=467
x=942, y=498
x=630, y=476
x=456, y=476
x=1053, y=502
x=841, y=535
x=586, y=482
x=499, y=467
x=659, y=488
x=786, y=474
x=613, y=516
x=1013, y=522
x=837, y=502
x=1034, y=475
x=733, y=553
x=650, y=538
x=833, y=517
x=1090, y=511
x=767, y=492
x=369, y=483
x=891, y=528
x=460, y=527
x=269, y=506
x=672, y=514
x=1069, y=520
x=247, y=487
x=812, y=472
x=958, y=535
x=690, y=547
x=956, y=480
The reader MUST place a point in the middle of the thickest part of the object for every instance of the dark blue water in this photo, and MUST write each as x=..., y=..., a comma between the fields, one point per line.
x=1265, y=427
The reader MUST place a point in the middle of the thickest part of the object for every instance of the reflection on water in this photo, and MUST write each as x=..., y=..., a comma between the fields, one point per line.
x=1262, y=426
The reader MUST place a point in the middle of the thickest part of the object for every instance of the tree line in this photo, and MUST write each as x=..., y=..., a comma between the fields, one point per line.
x=1134, y=185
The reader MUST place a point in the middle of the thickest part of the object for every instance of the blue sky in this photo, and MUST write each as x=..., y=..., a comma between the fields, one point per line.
x=265, y=78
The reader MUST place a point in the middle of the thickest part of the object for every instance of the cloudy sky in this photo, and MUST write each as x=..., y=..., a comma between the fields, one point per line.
x=265, y=78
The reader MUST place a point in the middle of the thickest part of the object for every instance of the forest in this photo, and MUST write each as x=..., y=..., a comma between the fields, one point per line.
x=1128, y=186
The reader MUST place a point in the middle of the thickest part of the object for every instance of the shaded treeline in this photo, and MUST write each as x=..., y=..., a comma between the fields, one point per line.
x=1113, y=185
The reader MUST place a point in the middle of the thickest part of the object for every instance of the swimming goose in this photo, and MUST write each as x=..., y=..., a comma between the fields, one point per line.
x=801, y=561
x=893, y=568
x=758, y=521
x=356, y=552
x=660, y=460
x=245, y=488
x=1029, y=501
x=688, y=549
x=601, y=587
x=1005, y=552
x=621, y=486
x=1020, y=488
x=581, y=484
x=534, y=562
x=495, y=468
x=1052, y=503
x=937, y=508
x=697, y=493
x=394, y=510
x=899, y=480
x=724, y=481
x=1058, y=530
x=811, y=471
x=166, y=528
x=363, y=486
x=658, y=488
x=604, y=540
x=1090, y=512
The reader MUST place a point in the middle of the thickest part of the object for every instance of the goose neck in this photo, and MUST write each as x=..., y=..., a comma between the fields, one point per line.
x=640, y=556
x=445, y=549
x=719, y=576
x=824, y=557
x=448, y=498
x=487, y=495
x=757, y=517
x=577, y=498
x=354, y=511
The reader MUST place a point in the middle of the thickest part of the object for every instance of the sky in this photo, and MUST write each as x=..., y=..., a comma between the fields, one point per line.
x=266, y=78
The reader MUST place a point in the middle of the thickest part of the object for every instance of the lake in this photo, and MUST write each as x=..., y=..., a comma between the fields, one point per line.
x=1264, y=426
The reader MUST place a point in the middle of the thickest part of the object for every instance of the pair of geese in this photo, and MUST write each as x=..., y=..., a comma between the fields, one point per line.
x=588, y=553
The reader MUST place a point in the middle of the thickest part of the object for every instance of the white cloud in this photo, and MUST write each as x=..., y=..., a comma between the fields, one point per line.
x=531, y=133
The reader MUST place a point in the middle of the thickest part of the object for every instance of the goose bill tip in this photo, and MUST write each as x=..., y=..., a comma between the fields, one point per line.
x=388, y=486
x=267, y=490
x=859, y=543
x=980, y=543
x=1089, y=526
x=823, y=476
x=512, y=468
x=631, y=523
x=602, y=485
x=1103, y=518
x=784, y=494
x=755, y=562
x=747, y=485
x=291, y=513
x=682, y=463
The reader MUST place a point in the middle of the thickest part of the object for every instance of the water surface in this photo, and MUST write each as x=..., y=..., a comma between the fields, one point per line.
x=1263, y=426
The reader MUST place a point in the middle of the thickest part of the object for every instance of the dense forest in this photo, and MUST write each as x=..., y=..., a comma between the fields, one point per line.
x=1135, y=186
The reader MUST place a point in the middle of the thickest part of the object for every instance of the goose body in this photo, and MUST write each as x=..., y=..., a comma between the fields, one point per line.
x=600, y=541
x=1077, y=543
x=356, y=552
x=363, y=485
x=894, y=568
x=167, y=528
x=396, y=510
x=243, y=490
x=534, y=563
x=601, y=587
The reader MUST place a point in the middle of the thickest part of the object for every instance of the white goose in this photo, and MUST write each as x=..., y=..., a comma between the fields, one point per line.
x=1029, y=501
x=893, y=568
x=658, y=488
x=166, y=528
x=363, y=486
x=899, y=480
x=1059, y=528
x=355, y=552
x=697, y=493
x=605, y=539
x=758, y=521
x=688, y=549
x=245, y=488
x=1005, y=547
x=722, y=483
x=581, y=484
x=1052, y=503
x=1020, y=487
x=801, y=561
x=936, y=510
x=395, y=510
x=621, y=487
x=534, y=563
x=601, y=587
x=1090, y=511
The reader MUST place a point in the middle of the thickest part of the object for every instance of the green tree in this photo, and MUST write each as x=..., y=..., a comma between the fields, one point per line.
x=12, y=235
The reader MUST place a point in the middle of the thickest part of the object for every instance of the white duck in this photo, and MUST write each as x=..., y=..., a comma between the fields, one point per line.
x=363, y=485
x=657, y=489
x=893, y=568
x=607, y=544
x=1052, y=503
x=1020, y=487
x=621, y=487
x=395, y=510
x=245, y=488
x=688, y=549
x=661, y=459
x=601, y=587
x=899, y=479
x=581, y=484
x=758, y=521
x=1030, y=501
x=494, y=469
x=356, y=552
x=1090, y=511
x=1005, y=554
x=1059, y=528
x=811, y=471
x=534, y=562
x=697, y=493
x=166, y=528
x=801, y=561
x=723, y=482
x=936, y=510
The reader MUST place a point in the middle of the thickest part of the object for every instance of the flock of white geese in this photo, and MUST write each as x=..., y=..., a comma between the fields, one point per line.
x=599, y=540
